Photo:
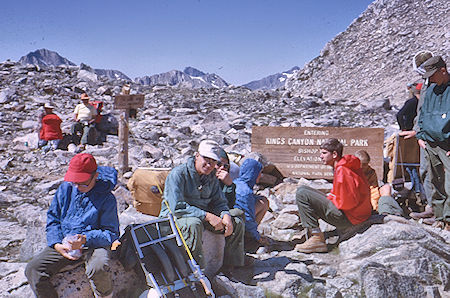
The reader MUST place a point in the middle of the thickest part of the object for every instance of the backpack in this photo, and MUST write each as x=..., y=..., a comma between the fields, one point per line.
x=146, y=187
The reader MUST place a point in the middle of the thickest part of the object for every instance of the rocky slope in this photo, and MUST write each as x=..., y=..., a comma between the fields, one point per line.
x=372, y=59
x=164, y=134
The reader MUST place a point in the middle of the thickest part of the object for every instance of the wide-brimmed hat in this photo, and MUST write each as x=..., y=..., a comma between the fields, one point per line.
x=432, y=65
x=209, y=148
x=81, y=168
x=48, y=105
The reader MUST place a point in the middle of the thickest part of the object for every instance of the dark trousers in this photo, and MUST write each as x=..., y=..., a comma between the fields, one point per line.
x=313, y=204
x=49, y=262
x=86, y=130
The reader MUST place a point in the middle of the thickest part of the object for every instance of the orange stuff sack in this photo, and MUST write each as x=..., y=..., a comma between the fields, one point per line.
x=145, y=186
x=374, y=197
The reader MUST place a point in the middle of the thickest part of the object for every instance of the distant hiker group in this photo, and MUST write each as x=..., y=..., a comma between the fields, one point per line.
x=86, y=129
x=209, y=192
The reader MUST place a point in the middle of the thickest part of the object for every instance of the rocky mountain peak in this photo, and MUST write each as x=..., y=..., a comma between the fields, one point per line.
x=190, y=77
x=274, y=81
x=44, y=57
x=194, y=72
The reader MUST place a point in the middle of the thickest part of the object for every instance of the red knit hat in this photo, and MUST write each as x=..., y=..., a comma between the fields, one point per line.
x=81, y=167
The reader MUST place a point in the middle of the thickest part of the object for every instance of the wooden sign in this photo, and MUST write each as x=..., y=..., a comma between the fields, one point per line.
x=124, y=102
x=296, y=150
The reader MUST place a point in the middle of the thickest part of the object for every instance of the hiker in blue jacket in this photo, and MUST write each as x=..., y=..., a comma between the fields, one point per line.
x=82, y=223
x=253, y=206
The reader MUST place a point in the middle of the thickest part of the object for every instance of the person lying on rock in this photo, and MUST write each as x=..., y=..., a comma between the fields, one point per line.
x=197, y=202
x=380, y=197
x=82, y=223
x=254, y=207
x=346, y=205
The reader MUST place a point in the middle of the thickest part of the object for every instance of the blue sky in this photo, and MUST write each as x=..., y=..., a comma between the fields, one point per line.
x=240, y=41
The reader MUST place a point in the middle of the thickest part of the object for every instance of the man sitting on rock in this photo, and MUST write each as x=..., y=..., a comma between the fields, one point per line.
x=197, y=202
x=84, y=116
x=82, y=223
x=346, y=205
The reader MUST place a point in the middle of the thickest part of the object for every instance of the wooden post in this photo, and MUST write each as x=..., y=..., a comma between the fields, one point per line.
x=123, y=142
x=124, y=103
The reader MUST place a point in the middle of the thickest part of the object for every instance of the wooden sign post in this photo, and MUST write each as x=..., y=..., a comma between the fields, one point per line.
x=295, y=150
x=125, y=103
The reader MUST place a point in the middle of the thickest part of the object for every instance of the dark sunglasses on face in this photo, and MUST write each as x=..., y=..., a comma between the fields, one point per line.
x=209, y=160
x=224, y=165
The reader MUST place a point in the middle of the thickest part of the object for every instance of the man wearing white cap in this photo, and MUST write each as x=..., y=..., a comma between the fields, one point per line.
x=197, y=202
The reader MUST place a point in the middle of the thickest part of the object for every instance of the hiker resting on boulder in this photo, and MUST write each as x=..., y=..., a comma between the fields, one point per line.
x=226, y=181
x=84, y=116
x=197, y=202
x=50, y=133
x=380, y=197
x=346, y=205
x=255, y=207
x=82, y=223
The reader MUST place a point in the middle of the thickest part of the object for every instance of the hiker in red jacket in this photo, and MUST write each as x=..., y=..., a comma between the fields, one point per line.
x=346, y=205
x=50, y=133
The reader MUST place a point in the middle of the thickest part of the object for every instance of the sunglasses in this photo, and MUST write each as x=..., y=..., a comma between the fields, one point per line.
x=209, y=160
x=84, y=184
x=224, y=165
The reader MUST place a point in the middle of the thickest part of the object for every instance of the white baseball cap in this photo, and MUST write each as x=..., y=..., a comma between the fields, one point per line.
x=209, y=148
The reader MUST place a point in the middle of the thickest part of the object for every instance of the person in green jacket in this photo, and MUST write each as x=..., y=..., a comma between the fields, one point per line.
x=197, y=201
x=434, y=135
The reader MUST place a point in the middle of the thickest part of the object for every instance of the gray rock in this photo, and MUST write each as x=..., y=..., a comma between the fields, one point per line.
x=328, y=272
x=378, y=281
x=6, y=95
x=286, y=221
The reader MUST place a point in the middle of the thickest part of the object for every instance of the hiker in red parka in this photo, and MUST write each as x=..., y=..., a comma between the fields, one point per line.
x=346, y=205
x=50, y=134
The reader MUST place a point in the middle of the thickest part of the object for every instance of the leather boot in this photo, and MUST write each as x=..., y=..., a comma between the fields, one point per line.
x=316, y=243
x=426, y=214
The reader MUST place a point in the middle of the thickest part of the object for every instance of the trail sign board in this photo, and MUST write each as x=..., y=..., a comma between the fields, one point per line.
x=295, y=150
x=124, y=102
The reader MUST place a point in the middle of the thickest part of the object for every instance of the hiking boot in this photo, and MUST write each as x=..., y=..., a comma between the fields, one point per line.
x=429, y=221
x=314, y=244
x=426, y=214
x=439, y=225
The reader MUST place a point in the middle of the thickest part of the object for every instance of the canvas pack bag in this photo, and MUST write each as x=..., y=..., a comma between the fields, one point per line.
x=146, y=186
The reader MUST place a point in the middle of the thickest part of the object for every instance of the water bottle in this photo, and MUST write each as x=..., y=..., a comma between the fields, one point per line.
x=75, y=253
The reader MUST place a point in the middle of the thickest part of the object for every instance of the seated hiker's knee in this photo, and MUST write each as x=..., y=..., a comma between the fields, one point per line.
x=385, y=190
x=302, y=193
x=97, y=262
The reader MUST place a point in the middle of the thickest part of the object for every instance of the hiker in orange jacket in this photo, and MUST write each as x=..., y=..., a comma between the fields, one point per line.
x=346, y=205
